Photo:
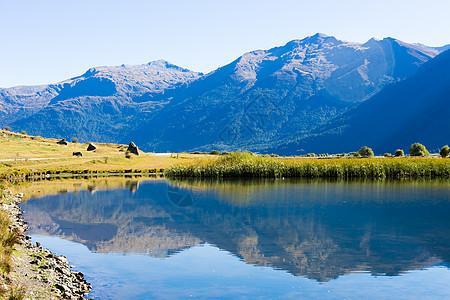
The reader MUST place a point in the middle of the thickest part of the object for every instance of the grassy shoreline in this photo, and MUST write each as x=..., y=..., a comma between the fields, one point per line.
x=245, y=165
x=25, y=157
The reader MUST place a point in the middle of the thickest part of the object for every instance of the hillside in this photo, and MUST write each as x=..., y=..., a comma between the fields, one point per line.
x=413, y=110
x=98, y=105
x=21, y=153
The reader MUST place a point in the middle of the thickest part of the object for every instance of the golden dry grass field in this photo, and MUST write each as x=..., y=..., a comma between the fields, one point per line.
x=24, y=152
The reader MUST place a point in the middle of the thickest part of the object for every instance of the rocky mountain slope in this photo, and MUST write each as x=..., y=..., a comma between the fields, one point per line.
x=413, y=110
x=265, y=98
x=262, y=100
x=97, y=105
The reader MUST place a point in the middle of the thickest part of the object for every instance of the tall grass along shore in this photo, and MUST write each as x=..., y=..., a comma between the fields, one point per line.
x=246, y=165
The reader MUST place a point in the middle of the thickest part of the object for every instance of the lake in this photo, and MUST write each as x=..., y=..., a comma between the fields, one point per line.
x=287, y=239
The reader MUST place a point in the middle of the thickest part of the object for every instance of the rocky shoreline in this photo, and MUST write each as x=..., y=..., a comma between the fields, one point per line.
x=39, y=272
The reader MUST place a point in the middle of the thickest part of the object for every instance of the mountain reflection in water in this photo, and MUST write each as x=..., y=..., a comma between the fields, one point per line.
x=317, y=229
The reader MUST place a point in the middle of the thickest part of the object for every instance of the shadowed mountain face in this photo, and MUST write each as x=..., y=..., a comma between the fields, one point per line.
x=317, y=229
x=263, y=99
x=403, y=113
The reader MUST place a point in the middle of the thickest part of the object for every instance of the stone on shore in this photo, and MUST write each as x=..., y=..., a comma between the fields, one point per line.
x=92, y=147
x=62, y=142
x=132, y=148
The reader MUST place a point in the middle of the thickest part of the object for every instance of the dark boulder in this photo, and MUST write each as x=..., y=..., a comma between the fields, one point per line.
x=77, y=154
x=62, y=142
x=132, y=148
x=92, y=147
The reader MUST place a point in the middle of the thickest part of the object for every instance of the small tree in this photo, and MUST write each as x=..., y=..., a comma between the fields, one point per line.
x=387, y=155
x=24, y=132
x=75, y=140
x=399, y=153
x=365, y=152
x=445, y=151
x=418, y=149
x=215, y=152
x=7, y=128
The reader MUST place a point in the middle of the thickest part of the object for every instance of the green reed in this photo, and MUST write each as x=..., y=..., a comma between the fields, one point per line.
x=245, y=165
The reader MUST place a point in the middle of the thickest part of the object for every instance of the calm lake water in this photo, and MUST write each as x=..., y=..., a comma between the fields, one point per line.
x=252, y=239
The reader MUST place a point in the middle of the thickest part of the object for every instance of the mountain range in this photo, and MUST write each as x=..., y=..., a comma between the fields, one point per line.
x=399, y=115
x=292, y=99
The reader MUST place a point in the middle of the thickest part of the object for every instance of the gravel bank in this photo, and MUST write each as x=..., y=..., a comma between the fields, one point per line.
x=42, y=274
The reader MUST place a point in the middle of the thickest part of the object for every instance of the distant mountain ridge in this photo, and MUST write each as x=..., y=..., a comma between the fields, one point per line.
x=96, y=105
x=413, y=110
x=260, y=101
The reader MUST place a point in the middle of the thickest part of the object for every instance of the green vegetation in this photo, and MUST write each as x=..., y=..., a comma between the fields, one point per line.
x=215, y=152
x=387, y=155
x=418, y=149
x=365, y=152
x=17, y=294
x=399, y=153
x=244, y=165
x=8, y=239
x=445, y=151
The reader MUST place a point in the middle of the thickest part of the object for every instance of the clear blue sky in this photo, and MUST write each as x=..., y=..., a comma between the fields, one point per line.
x=47, y=41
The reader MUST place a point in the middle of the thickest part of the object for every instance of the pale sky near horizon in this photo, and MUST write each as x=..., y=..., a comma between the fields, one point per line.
x=48, y=41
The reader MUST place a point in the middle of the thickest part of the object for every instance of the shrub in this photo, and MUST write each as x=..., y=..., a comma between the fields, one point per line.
x=354, y=154
x=215, y=152
x=7, y=128
x=387, y=155
x=365, y=152
x=311, y=155
x=445, y=151
x=24, y=132
x=75, y=140
x=199, y=152
x=8, y=238
x=418, y=149
x=399, y=153
x=274, y=155
x=17, y=293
